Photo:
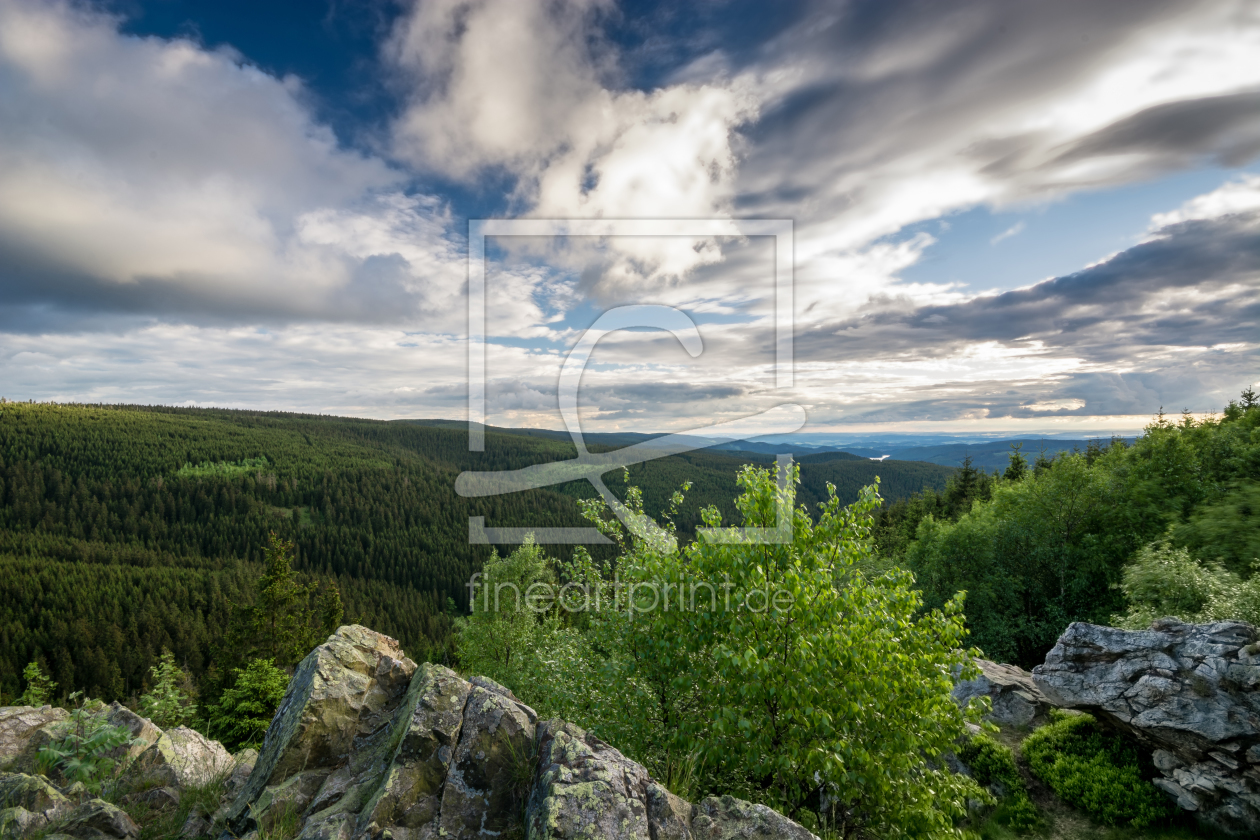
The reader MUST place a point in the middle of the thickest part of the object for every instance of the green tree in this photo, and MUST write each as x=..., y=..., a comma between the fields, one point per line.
x=1165, y=581
x=244, y=711
x=502, y=630
x=1017, y=466
x=290, y=617
x=789, y=674
x=168, y=704
x=39, y=687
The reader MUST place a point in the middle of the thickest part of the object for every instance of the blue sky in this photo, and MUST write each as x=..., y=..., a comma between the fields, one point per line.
x=1023, y=218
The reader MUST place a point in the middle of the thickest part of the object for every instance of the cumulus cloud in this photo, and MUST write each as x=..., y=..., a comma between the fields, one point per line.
x=156, y=176
x=530, y=89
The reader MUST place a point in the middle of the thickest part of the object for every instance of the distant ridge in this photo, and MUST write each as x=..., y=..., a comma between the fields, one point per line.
x=988, y=455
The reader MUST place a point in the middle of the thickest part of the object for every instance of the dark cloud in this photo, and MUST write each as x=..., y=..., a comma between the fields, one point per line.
x=1226, y=128
x=39, y=294
x=658, y=393
x=1137, y=298
x=959, y=84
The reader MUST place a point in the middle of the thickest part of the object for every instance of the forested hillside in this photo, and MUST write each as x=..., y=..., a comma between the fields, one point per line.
x=125, y=530
x=1169, y=525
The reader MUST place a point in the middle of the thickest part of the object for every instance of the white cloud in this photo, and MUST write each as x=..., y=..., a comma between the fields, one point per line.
x=877, y=126
x=1056, y=405
x=128, y=160
x=526, y=87
x=201, y=186
x=1013, y=230
x=1235, y=196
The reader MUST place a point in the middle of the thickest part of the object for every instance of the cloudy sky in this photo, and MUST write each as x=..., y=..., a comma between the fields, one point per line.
x=1007, y=217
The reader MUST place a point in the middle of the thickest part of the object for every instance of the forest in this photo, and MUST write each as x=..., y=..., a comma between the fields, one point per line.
x=129, y=530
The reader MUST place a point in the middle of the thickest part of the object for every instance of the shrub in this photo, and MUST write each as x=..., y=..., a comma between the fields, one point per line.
x=39, y=688
x=1164, y=580
x=797, y=680
x=993, y=765
x=1096, y=770
x=167, y=706
x=243, y=713
x=83, y=748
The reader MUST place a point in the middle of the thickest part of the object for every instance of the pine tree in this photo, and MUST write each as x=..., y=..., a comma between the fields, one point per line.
x=1017, y=465
x=290, y=617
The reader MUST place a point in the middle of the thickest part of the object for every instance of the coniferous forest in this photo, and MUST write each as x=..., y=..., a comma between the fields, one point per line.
x=129, y=530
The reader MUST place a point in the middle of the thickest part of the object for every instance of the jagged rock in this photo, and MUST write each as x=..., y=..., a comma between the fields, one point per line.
x=1016, y=700
x=18, y=822
x=33, y=793
x=1187, y=691
x=496, y=735
x=585, y=788
x=96, y=819
x=28, y=804
x=182, y=757
x=410, y=795
x=18, y=724
x=728, y=818
x=195, y=826
x=669, y=816
x=144, y=732
x=366, y=746
x=344, y=691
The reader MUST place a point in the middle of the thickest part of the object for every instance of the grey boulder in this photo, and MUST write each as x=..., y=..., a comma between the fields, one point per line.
x=1189, y=692
x=1013, y=694
x=368, y=746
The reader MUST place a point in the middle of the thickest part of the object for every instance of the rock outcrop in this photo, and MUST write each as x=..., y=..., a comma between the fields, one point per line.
x=31, y=804
x=181, y=757
x=1190, y=692
x=1015, y=698
x=18, y=727
x=367, y=745
x=144, y=732
x=585, y=788
x=160, y=763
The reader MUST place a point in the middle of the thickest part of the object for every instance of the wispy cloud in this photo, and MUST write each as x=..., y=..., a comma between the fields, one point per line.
x=1013, y=230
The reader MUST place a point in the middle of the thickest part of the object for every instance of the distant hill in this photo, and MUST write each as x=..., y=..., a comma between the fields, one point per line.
x=989, y=455
x=797, y=450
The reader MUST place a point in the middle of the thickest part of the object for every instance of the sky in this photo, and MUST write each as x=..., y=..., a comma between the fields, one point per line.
x=1006, y=218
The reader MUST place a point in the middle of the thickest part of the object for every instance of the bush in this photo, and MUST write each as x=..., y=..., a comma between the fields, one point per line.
x=1164, y=580
x=39, y=688
x=993, y=765
x=83, y=747
x=1096, y=770
x=168, y=706
x=798, y=679
x=243, y=713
